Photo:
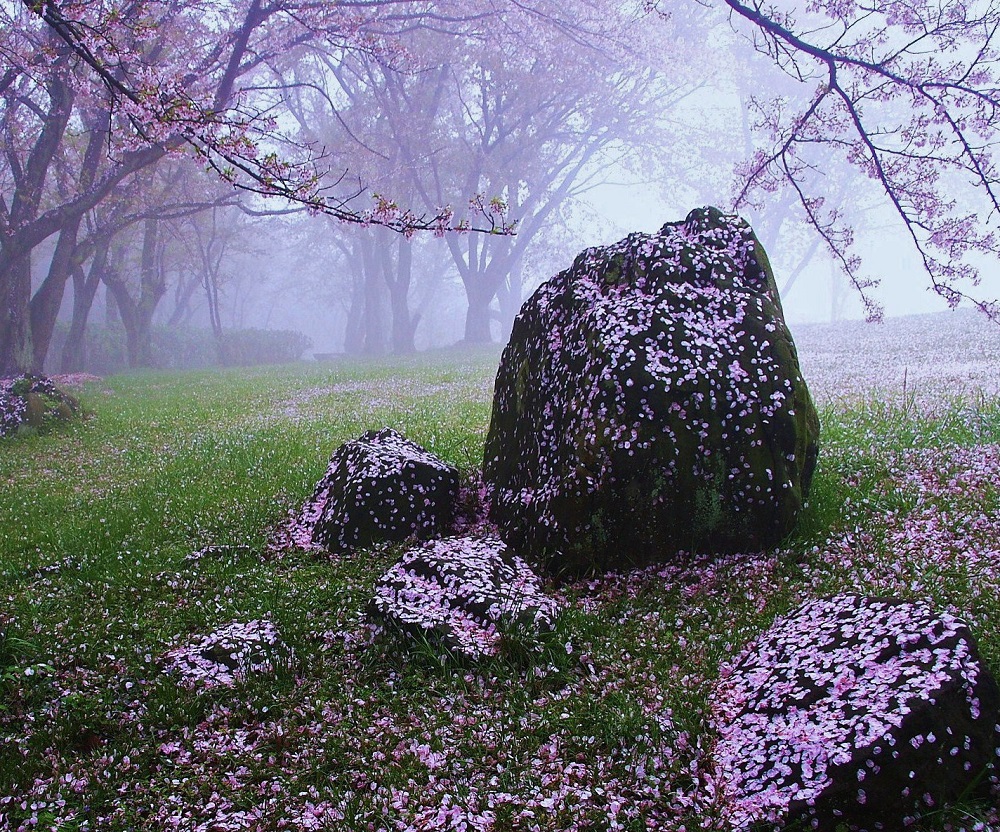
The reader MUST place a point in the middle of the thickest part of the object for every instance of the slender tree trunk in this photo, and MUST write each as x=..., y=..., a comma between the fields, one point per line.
x=375, y=329
x=112, y=314
x=398, y=276
x=16, y=352
x=137, y=315
x=354, y=333
x=43, y=308
x=182, y=302
x=74, y=352
x=511, y=298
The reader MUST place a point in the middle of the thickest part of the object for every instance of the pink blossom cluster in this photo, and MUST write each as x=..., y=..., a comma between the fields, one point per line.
x=12, y=407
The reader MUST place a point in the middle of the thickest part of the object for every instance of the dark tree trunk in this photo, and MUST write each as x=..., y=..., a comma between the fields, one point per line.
x=398, y=276
x=16, y=354
x=44, y=306
x=74, y=352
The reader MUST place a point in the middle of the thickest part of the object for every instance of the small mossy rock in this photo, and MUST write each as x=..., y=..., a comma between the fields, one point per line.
x=228, y=655
x=650, y=401
x=35, y=410
x=34, y=401
x=469, y=593
x=854, y=713
x=381, y=487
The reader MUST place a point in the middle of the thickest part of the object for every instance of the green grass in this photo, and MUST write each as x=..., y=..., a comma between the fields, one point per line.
x=96, y=520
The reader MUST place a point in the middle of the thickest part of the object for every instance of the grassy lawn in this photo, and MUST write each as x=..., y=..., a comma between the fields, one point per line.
x=604, y=726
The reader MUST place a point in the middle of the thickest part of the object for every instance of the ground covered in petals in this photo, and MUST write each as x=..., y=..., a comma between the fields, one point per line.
x=137, y=545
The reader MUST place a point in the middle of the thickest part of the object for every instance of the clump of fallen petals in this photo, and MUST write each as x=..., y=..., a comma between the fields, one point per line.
x=228, y=655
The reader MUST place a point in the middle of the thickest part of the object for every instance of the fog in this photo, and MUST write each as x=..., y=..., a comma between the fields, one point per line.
x=553, y=137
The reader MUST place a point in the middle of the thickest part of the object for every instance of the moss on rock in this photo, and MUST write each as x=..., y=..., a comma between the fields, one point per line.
x=650, y=401
x=34, y=401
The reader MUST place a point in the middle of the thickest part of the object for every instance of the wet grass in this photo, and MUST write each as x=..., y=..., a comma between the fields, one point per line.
x=602, y=726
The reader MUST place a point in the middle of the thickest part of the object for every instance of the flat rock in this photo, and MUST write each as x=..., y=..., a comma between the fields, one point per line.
x=228, y=655
x=467, y=592
x=866, y=712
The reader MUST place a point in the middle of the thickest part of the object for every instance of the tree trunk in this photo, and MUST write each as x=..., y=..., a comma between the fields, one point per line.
x=477, y=316
x=511, y=298
x=137, y=315
x=74, y=352
x=45, y=304
x=43, y=308
x=397, y=278
x=182, y=312
x=354, y=333
x=375, y=330
x=16, y=354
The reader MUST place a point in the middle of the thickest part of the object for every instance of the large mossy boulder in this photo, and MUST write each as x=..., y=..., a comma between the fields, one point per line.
x=854, y=713
x=650, y=401
x=380, y=487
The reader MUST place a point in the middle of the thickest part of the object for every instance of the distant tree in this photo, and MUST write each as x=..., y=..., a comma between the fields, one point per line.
x=169, y=77
x=904, y=91
x=516, y=125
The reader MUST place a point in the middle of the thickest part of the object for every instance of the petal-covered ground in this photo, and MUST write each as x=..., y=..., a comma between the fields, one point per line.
x=603, y=724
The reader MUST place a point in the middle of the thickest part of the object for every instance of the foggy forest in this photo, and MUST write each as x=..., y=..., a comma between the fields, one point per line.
x=499, y=415
x=381, y=180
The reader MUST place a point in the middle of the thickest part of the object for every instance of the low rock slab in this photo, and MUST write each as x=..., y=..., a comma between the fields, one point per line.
x=380, y=487
x=468, y=592
x=228, y=655
x=851, y=710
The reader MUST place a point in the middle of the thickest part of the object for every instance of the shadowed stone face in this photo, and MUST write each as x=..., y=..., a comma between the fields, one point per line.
x=650, y=401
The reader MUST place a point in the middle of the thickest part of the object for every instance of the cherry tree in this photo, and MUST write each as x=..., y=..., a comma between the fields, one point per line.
x=908, y=93
x=162, y=77
x=522, y=123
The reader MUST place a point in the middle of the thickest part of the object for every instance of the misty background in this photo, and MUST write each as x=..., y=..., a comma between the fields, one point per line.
x=571, y=145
